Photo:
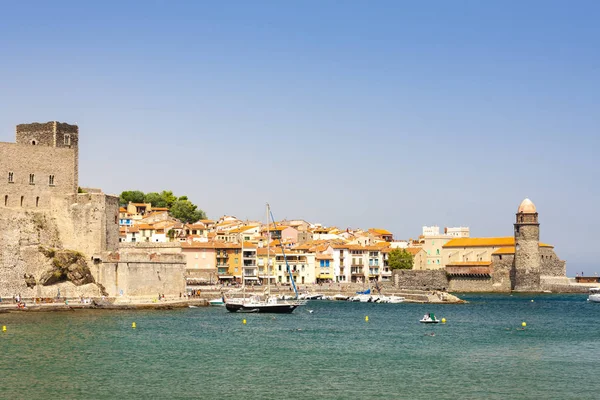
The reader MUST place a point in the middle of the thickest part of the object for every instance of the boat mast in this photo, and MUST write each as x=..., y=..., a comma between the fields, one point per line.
x=268, y=254
x=242, y=259
x=287, y=265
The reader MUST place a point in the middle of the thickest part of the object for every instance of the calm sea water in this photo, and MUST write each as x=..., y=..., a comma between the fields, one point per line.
x=332, y=353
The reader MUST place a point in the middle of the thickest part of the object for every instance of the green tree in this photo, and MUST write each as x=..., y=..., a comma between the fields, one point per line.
x=135, y=196
x=168, y=197
x=155, y=199
x=186, y=211
x=400, y=259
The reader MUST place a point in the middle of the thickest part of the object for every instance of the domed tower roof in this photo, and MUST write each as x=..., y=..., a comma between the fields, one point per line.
x=527, y=207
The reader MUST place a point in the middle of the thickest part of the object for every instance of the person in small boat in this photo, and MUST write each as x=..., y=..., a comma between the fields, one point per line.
x=425, y=316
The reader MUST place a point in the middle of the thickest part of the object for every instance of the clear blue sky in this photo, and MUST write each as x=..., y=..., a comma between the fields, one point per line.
x=350, y=113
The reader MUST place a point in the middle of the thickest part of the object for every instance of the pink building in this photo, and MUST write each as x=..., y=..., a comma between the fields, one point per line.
x=201, y=260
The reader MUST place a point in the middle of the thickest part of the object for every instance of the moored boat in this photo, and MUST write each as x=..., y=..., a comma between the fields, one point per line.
x=267, y=303
x=594, y=296
x=217, y=302
x=429, y=319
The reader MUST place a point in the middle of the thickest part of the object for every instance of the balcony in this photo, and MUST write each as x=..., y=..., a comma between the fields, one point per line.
x=356, y=271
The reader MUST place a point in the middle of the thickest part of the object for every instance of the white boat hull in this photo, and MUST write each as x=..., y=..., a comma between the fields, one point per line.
x=594, y=298
x=216, y=302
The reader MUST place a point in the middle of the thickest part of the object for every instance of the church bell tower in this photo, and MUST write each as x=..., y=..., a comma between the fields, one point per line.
x=527, y=265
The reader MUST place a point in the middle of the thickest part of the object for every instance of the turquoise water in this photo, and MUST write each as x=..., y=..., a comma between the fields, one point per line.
x=330, y=354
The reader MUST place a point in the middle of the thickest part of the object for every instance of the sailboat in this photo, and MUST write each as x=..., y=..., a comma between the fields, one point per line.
x=268, y=304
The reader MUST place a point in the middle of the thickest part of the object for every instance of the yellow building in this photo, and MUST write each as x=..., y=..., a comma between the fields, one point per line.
x=478, y=251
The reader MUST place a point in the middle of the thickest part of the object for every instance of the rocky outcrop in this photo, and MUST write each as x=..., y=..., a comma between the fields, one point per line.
x=33, y=261
x=67, y=265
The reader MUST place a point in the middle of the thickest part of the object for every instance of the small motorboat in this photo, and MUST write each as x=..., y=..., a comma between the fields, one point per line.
x=429, y=319
x=216, y=302
x=395, y=299
x=339, y=297
x=594, y=296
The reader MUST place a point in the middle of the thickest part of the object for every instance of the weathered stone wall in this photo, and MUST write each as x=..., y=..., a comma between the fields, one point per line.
x=23, y=160
x=143, y=270
x=423, y=280
x=551, y=264
x=23, y=263
x=88, y=221
x=502, y=272
x=471, y=284
x=84, y=223
x=527, y=257
x=52, y=134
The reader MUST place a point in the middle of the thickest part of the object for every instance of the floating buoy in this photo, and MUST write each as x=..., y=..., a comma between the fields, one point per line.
x=367, y=318
x=133, y=325
x=443, y=320
x=244, y=321
x=532, y=300
x=3, y=328
x=523, y=324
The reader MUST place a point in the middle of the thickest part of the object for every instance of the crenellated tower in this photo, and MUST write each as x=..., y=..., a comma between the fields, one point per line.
x=52, y=134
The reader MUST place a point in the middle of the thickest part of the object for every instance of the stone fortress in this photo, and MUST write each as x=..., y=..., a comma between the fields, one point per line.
x=57, y=241
x=497, y=264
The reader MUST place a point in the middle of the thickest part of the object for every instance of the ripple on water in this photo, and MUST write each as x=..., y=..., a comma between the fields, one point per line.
x=331, y=353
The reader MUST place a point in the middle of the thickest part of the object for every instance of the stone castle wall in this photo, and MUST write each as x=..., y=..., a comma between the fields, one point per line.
x=42, y=161
x=420, y=279
x=143, y=270
x=471, y=284
x=551, y=264
x=88, y=222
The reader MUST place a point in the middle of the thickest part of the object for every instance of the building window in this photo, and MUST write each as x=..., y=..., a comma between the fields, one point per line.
x=51, y=180
x=22, y=198
x=37, y=201
x=32, y=179
x=67, y=140
x=6, y=200
x=11, y=177
x=33, y=142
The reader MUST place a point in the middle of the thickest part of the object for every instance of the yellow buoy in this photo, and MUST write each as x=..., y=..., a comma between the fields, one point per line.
x=244, y=321
x=443, y=320
x=523, y=324
x=133, y=325
x=3, y=328
x=367, y=318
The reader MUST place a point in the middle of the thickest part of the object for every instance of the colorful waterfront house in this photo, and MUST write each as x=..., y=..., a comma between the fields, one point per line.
x=201, y=261
x=358, y=261
x=229, y=261
x=265, y=262
x=325, y=267
x=341, y=262
x=249, y=267
x=302, y=267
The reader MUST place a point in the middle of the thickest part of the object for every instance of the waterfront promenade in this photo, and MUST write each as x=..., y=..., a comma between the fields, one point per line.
x=208, y=292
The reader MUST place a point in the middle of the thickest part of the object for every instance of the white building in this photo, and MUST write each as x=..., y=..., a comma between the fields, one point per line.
x=431, y=231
